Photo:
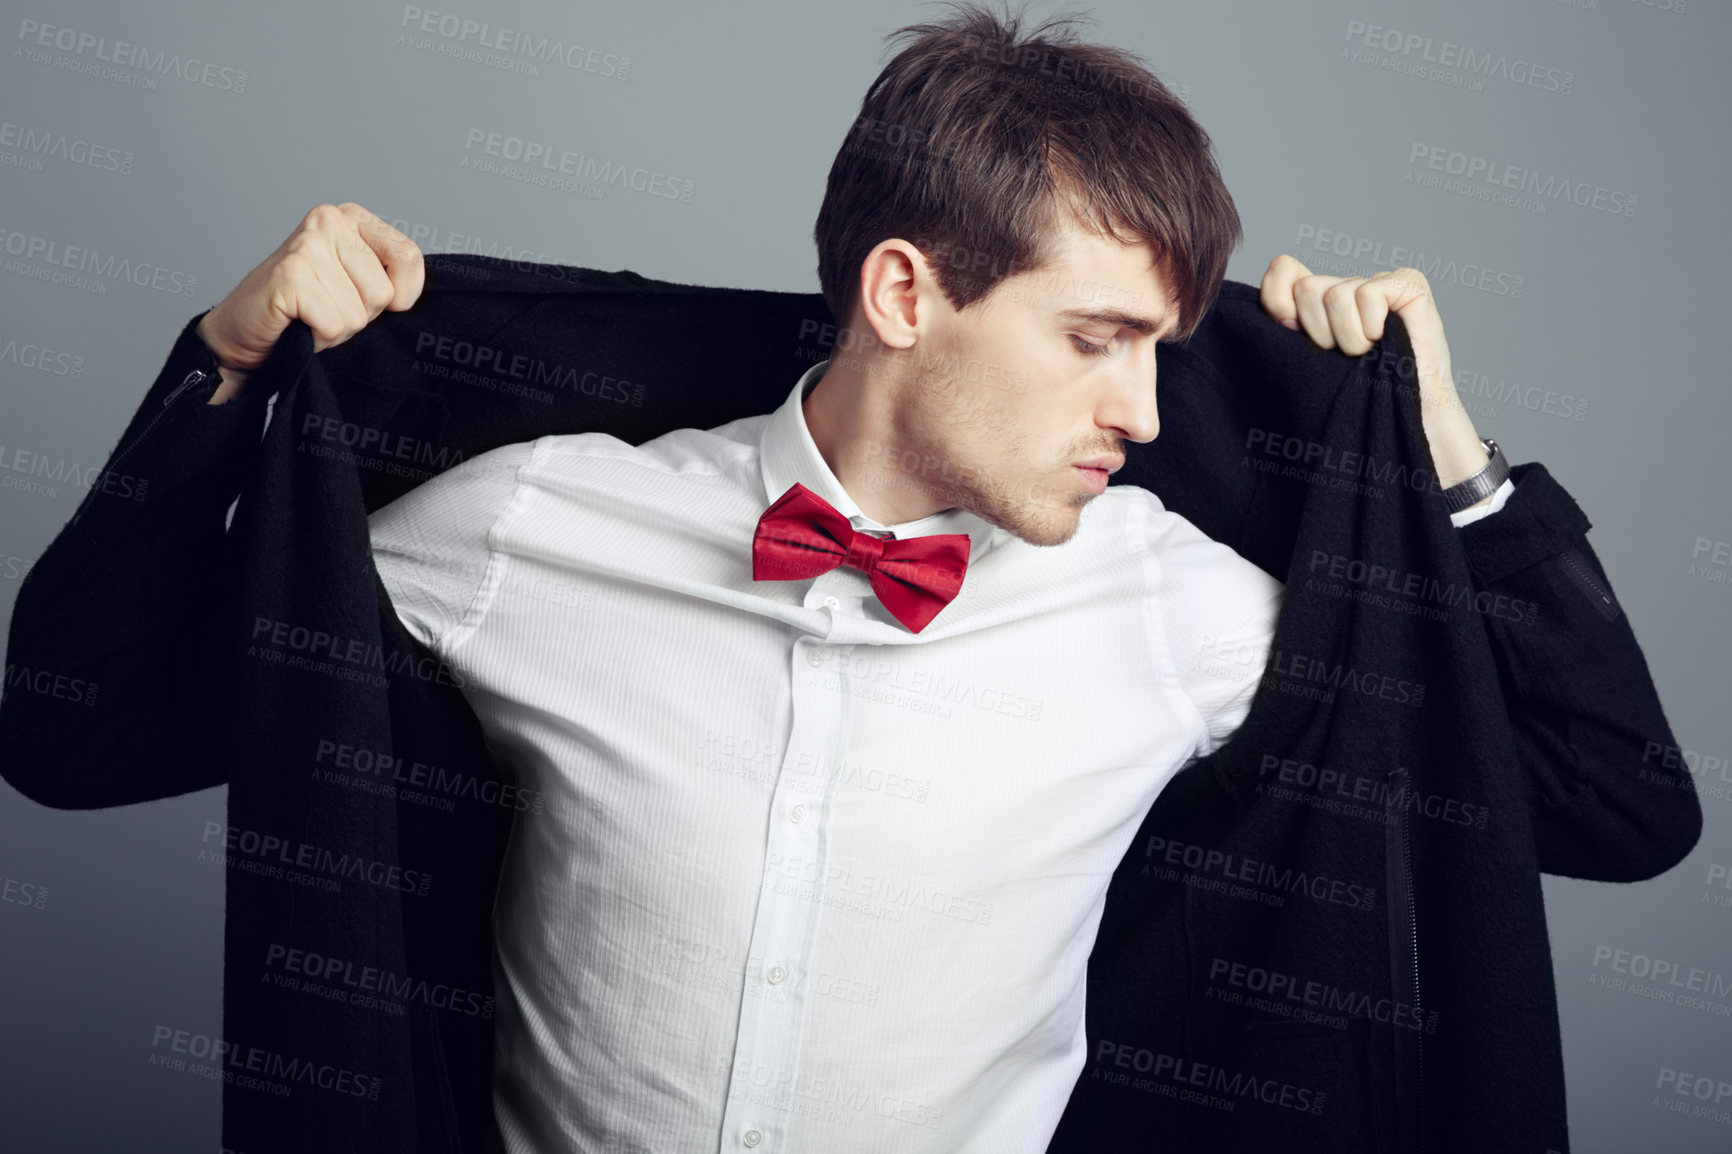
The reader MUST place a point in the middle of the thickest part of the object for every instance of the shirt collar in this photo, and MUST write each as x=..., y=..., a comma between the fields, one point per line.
x=787, y=453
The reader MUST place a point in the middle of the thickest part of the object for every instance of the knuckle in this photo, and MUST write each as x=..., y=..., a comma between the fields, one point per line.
x=294, y=266
x=376, y=296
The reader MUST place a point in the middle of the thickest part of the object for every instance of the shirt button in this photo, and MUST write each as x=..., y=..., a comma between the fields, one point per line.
x=832, y=603
x=798, y=813
x=816, y=657
x=775, y=974
x=751, y=1138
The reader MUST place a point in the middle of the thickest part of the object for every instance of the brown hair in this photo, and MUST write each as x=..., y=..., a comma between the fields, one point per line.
x=969, y=138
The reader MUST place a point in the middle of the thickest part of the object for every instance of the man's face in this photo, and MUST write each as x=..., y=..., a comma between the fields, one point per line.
x=1010, y=395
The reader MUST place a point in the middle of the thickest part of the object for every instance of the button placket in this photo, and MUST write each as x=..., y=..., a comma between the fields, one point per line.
x=784, y=932
x=841, y=591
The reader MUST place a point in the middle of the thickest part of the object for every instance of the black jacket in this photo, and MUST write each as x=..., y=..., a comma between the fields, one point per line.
x=1329, y=935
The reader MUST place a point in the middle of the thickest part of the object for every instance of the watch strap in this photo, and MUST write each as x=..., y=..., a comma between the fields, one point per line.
x=1482, y=484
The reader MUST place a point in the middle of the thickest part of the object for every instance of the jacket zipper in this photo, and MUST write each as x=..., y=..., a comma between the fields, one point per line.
x=1413, y=946
x=1578, y=570
x=1410, y=915
x=196, y=376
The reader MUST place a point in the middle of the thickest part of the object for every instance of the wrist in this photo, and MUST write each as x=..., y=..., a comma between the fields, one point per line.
x=1456, y=450
x=215, y=346
x=211, y=361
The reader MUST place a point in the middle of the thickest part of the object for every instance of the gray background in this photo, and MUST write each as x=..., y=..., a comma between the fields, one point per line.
x=1314, y=131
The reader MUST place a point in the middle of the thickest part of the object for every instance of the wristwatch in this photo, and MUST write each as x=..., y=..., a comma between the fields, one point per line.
x=1482, y=484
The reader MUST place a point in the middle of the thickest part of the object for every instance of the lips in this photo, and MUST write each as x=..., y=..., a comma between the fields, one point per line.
x=1094, y=479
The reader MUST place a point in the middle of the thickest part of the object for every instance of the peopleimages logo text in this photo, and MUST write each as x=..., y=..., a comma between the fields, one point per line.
x=265, y=847
x=127, y=55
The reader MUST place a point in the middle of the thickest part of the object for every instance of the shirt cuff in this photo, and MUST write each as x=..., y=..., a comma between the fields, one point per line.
x=1498, y=497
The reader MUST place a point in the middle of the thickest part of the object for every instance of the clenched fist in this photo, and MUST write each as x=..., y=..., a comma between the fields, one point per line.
x=340, y=268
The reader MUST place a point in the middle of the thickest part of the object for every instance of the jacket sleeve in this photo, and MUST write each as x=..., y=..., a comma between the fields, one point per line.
x=1608, y=802
x=109, y=695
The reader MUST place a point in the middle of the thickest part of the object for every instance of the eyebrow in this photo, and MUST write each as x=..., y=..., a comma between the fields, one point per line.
x=1112, y=317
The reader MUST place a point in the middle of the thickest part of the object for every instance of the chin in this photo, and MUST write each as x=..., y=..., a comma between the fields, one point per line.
x=1050, y=529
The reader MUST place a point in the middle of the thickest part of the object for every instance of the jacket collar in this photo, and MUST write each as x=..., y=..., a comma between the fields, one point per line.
x=787, y=453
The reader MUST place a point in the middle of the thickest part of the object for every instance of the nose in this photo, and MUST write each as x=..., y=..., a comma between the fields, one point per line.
x=1129, y=404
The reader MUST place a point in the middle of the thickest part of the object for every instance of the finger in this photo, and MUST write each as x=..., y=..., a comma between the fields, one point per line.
x=1276, y=290
x=1313, y=317
x=333, y=275
x=1341, y=307
x=311, y=301
x=359, y=261
x=396, y=253
x=1402, y=285
x=1372, y=299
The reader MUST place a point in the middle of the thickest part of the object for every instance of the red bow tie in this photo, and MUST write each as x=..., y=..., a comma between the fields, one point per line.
x=803, y=535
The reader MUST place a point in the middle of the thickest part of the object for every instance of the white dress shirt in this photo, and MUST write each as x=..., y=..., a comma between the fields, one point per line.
x=805, y=881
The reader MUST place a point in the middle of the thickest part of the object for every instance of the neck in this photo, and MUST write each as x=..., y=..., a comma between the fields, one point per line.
x=852, y=417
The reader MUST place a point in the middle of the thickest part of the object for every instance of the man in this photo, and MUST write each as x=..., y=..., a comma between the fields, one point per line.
x=1016, y=347
x=790, y=892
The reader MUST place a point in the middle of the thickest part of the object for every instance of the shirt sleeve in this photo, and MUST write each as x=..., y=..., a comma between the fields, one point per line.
x=1498, y=497
x=433, y=545
x=1218, y=612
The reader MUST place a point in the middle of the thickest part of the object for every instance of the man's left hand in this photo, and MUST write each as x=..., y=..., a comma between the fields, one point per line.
x=1348, y=313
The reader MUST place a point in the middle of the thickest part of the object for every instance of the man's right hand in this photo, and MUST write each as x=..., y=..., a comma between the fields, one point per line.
x=340, y=268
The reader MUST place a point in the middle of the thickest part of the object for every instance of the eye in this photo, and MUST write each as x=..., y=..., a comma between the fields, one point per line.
x=1088, y=348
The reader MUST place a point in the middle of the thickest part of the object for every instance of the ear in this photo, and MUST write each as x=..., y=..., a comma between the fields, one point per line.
x=895, y=284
